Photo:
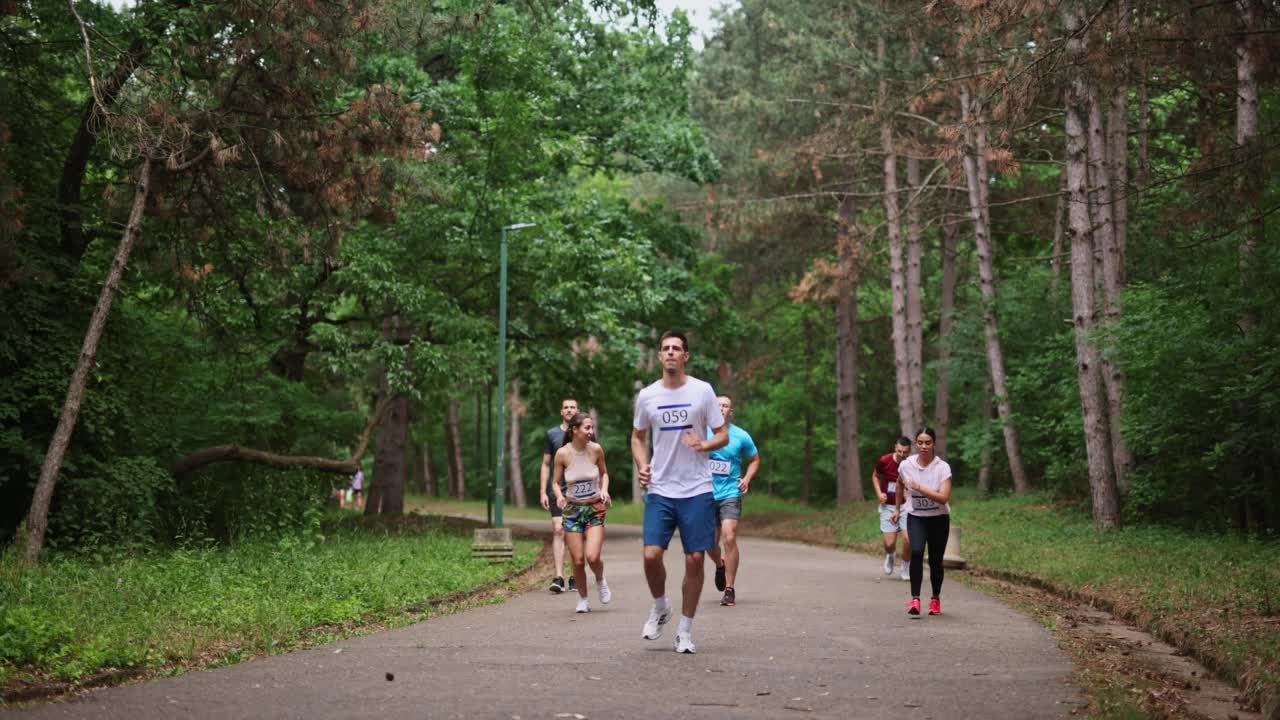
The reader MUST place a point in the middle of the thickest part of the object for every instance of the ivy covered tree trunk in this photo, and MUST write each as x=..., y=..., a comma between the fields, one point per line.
x=979, y=214
x=848, y=467
x=37, y=522
x=946, y=318
x=453, y=452
x=1104, y=496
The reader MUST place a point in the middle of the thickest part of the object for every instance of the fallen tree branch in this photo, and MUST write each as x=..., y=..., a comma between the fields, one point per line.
x=239, y=453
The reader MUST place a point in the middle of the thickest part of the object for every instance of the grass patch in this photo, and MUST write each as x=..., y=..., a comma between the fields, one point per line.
x=1215, y=594
x=70, y=617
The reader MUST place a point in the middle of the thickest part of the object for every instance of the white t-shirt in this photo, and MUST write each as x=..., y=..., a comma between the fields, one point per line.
x=678, y=471
x=930, y=478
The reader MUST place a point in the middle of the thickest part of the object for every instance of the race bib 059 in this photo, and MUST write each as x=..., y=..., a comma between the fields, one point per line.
x=720, y=467
x=892, y=486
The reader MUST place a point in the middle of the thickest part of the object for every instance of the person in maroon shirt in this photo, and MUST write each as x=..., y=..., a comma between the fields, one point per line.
x=885, y=480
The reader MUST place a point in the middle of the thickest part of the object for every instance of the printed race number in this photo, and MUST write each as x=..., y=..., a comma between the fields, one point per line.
x=720, y=467
x=893, y=485
x=581, y=491
x=919, y=502
x=670, y=417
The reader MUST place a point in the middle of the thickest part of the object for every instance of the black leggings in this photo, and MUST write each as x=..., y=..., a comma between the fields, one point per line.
x=931, y=531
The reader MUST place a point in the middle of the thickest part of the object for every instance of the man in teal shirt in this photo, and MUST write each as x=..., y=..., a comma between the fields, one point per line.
x=729, y=484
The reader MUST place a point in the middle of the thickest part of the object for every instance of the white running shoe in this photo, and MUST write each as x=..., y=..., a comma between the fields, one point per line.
x=684, y=643
x=653, y=626
x=888, y=564
x=584, y=605
x=605, y=593
x=906, y=572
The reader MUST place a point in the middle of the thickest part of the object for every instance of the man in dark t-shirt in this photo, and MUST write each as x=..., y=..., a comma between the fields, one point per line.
x=555, y=440
x=885, y=481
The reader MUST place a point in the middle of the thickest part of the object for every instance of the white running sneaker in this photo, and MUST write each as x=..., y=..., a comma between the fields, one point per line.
x=584, y=605
x=906, y=572
x=684, y=643
x=888, y=564
x=653, y=626
x=605, y=593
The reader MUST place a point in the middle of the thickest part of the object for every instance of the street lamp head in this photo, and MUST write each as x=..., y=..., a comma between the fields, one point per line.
x=519, y=226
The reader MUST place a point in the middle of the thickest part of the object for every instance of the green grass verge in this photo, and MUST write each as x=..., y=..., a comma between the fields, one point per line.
x=70, y=617
x=1217, y=594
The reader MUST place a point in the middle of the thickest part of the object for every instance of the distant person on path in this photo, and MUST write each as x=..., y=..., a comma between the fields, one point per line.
x=582, y=492
x=885, y=480
x=925, y=483
x=730, y=483
x=678, y=480
x=357, y=490
x=555, y=439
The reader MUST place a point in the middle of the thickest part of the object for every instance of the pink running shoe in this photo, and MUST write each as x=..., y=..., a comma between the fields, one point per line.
x=935, y=606
x=913, y=607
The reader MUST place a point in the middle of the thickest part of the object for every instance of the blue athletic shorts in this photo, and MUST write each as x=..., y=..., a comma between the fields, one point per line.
x=695, y=516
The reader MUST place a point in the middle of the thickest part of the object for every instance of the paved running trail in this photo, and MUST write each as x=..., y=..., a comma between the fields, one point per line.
x=816, y=633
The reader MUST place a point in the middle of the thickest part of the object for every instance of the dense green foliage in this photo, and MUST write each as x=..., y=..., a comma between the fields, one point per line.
x=340, y=245
x=257, y=308
x=788, y=93
x=73, y=616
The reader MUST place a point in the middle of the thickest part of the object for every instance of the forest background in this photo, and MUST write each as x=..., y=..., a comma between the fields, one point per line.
x=1045, y=230
x=248, y=248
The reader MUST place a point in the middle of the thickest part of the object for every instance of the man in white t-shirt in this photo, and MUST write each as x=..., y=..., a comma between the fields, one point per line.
x=677, y=480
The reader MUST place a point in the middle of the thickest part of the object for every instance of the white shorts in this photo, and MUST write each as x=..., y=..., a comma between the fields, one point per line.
x=886, y=523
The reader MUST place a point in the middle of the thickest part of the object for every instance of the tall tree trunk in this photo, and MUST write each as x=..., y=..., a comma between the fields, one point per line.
x=978, y=212
x=637, y=491
x=849, y=485
x=428, y=472
x=453, y=452
x=1102, y=204
x=385, y=494
x=942, y=398
x=1059, y=219
x=38, y=518
x=515, y=471
x=1252, y=177
x=897, y=272
x=806, y=472
x=984, y=463
x=915, y=321
x=1105, y=498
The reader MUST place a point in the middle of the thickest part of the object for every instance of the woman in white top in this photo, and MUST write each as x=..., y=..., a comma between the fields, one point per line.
x=579, y=468
x=926, y=480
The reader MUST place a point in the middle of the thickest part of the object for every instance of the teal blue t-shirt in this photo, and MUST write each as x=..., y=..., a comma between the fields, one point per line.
x=726, y=463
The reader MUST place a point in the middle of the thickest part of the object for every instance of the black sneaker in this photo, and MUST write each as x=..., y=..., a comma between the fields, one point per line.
x=720, y=581
x=730, y=598
x=573, y=583
x=557, y=585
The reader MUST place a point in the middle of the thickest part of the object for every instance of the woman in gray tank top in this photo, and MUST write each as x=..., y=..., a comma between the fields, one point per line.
x=579, y=465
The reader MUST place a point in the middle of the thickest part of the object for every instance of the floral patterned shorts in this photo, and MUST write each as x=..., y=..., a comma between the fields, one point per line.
x=580, y=516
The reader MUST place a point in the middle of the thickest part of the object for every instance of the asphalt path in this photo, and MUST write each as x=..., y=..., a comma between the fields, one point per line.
x=815, y=633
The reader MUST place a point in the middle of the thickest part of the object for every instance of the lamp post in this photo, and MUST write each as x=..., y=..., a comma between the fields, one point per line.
x=502, y=367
